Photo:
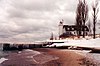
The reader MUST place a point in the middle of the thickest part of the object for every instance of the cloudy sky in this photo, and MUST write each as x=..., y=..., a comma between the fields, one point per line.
x=33, y=20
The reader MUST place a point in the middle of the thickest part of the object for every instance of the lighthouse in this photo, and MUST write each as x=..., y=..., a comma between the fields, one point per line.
x=60, y=28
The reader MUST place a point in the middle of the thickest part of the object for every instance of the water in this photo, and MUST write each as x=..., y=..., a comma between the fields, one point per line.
x=24, y=57
x=3, y=54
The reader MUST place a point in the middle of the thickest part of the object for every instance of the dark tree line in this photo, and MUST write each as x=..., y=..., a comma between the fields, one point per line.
x=82, y=17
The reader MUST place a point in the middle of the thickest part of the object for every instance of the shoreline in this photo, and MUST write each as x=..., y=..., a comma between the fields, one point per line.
x=69, y=57
x=46, y=57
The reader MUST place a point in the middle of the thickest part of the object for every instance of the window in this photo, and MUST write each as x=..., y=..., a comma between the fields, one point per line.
x=67, y=28
x=72, y=28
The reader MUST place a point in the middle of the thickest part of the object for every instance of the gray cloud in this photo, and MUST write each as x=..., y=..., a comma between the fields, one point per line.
x=33, y=20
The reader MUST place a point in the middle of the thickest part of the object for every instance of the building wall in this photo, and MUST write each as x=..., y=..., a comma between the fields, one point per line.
x=61, y=30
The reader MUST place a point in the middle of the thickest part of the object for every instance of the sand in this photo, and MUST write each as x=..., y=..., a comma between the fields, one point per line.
x=49, y=57
x=66, y=58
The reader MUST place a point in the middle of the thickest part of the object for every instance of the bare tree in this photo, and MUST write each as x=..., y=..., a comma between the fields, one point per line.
x=81, y=17
x=95, y=15
x=84, y=15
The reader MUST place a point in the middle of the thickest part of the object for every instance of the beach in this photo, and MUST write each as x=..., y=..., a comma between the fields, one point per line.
x=66, y=58
x=45, y=57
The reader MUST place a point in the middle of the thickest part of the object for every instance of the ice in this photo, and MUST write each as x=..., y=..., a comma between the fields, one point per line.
x=30, y=52
x=2, y=60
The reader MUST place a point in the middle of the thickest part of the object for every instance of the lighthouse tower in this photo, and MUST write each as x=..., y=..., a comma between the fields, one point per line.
x=60, y=28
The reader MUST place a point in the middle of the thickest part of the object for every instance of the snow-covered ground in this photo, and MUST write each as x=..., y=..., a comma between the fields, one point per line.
x=92, y=43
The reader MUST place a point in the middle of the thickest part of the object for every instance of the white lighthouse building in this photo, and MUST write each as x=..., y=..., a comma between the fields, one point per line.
x=60, y=27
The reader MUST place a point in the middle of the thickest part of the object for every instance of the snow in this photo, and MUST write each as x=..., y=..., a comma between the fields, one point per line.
x=2, y=60
x=92, y=43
